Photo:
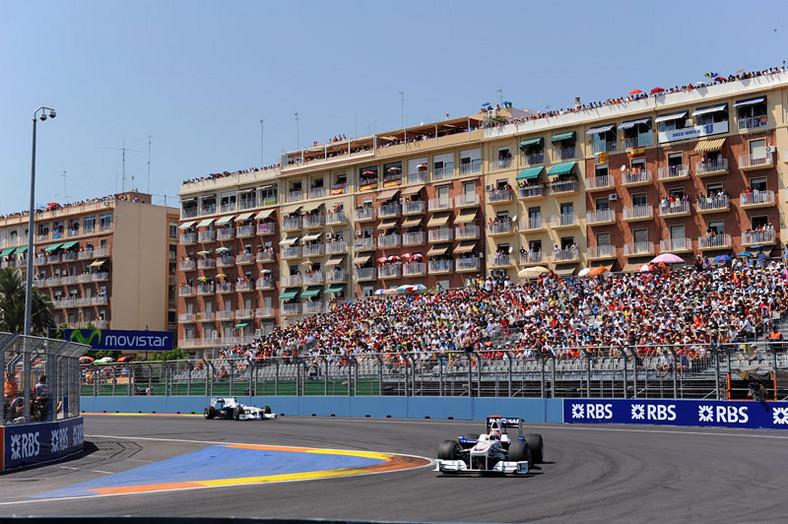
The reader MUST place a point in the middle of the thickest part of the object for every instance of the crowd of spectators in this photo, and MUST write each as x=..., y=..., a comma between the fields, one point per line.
x=54, y=205
x=224, y=174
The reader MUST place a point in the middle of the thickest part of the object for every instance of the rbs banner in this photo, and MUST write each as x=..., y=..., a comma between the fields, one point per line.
x=772, y=415
x=118, y=340
x=27, y=444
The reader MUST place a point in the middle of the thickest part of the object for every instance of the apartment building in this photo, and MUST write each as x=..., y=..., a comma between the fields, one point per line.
x=110, y=262
x=499, y=192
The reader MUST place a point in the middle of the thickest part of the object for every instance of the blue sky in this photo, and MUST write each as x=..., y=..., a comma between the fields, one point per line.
x=198, y=76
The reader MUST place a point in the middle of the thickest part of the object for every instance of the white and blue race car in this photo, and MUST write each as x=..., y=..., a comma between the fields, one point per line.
x=229, y=407
x=493, y=452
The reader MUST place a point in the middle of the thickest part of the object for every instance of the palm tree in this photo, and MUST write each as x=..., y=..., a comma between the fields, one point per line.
x=12, y=305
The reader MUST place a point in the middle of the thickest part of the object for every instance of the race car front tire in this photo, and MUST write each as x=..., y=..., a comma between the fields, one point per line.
x=536, y=445
x=519, y=452
x=237, y=412
x=267, y=410
x=449, y=450
x=210, y=412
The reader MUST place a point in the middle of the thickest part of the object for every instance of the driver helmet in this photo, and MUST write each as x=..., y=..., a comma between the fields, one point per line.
x=495, y=434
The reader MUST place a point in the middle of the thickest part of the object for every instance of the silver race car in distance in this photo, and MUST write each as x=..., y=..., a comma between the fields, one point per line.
x=493, y=452
x=229, y=407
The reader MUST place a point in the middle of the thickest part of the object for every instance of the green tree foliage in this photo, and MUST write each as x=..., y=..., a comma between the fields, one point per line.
x=12, y=305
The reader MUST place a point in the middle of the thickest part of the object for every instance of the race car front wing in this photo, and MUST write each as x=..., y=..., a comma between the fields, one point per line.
x=503, y=466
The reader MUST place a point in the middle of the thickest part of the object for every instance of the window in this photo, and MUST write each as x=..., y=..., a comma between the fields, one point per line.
x=248, y=199
x=603, y=239
x=752, y=113
x=340, y=184
x=504, y=158
x=443, y=166
x=718, y=226
x=470, y=161
x=417, y=170
x=675, y=159
x=368, y=178
x=208, y=204
x=673, y=122
x=639, y=199
x=677, y=192
x=713, y=188
x=268, y=195
x=535, y=245
x=677, y=232
x=758, y=222
x=567, y=208
x=173, y=230
x=566, y=242
x=638, y=165
x=105, y=221
x=758, y=183
x=637, y=133
x=534, y=214
x=443, y=191
x=469, y=188
x=711, y=115
x=602, y=204
x=640, y=236
x=392, y=174
x=601, y=170
x=757, y=149
x=604, y=138
x=189, y=208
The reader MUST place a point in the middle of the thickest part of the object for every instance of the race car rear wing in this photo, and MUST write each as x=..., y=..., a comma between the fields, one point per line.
x=505, y=422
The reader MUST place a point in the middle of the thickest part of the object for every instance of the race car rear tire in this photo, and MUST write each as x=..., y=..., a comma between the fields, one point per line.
x=519, y=451
x=237, y=412
x=536, y=445
x=210, y=412
x=267, y=410
x=449, y=450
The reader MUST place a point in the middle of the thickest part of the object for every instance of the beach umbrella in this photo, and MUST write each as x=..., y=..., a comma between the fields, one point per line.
x=422, y=166
x=125, y=359
x=633, y=92
x=382, y=260
x=598, y=270
x=745, y=254
x=533, y=271
x=667, y=258
x=657, y=90
x=419, y=287
x=222, y=249
x=85, y=358
x=391, y=291
x=719, y=79
x=486, y=104
x=405, y=255
x=221, y=275
x=368, y=172
x=393, y=258
x=741, y=70
x=405, y=287
x=757, y=246
x=721, y=259
x=379, y=291
x=53, y=204
x=203, y=252
x=417, y=256
x=710, y=75
x=394, y=169
x=645, y=268
x=202, y=279
x=584, y=272
x=105, y=360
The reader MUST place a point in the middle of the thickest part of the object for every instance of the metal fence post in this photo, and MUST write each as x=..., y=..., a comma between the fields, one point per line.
x=380, y=374
x=479, y=366
x=510, y=358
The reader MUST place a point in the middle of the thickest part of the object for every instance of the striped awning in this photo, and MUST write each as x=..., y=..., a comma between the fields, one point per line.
x=670, y=116
x=388, y=223
x=312, y=236
x=205, y=223
x=53, y=247
x=438, y=250
x=710, y=109
x=243, y=217
x=632, y=123
x=289, y=241
x=565, y=271
x=466, y=246
x=439, y=219
x=563, y=136
x=709, y=145
x=412, y=221
x=335, y=260
x=600, y=129
x=187, y=225
x=531, y=142
x=388, y=195
x=750, y=102
x=224, y=220
x=412, y=190
x=362, y=258
x=265, y=213
x=465, y=216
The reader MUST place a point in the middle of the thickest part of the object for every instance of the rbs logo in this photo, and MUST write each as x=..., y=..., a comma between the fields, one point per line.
x=657, y=412
x=592, y=411
x=25, y=445
x=726, y=414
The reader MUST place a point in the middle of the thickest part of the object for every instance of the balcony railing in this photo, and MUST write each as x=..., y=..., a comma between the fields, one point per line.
x=441, y=266
x=266, y=228
x=364, y=244
x=245, y=286
x=565, y=220
x=244, y=258
x=505, y=163
x=315, y=277
x=531, y=191
x=532, y=224
x=336, y=276
x=467, y=232
x=244, y=231
x=292, y=252
x=206, y=236
x=767, y=236
x=442, y=173
x=638, y=213
x=566, y=255
x=264, y=312
x=205, y=289
x=675, y=244
x=366, y=213
x=535, y=158
x=96, y=252
x=419, y=177
x=603, y=147
x=443, y=234
x=265, y=283
x=265, y=256
x=317, y=192
x=316, y=220
x=295, y=196
x=413, y=269
x=292, y=224
x=412, y=208
x=313, y=307
x=569, y=186
x=599, y=182
x=756, y=162
x=638, y=248
x=531, y=257
x=99, y=277
x=365, y=273
x=757, y=198
x=186, y=291
x=225, y=287
x=672, y=172
x=338, y=217
x=413, y=238
x=501, y=260
x=499, y=195
x=436, y=204
x=188, y=238
x=714, y=241
x=389, y=240
x=601, y=216
x=468, y=199
x=225, y=261
x=753, y=122
x=206, y=263
x=189, y=213
x=674, y=208
x=643, y=140
x=636, y=177
x=604, y=251
x=186, y=318
x=566, y=153
x=393, y=271
x=470, y=168
x=292, y=280
x=314, y=250
x=469, y=264
x=388, y=210
x=339, y=246
x=225, y=315
x=717, y=203
x=225, y=233
x=501, y=228
x=241, y=314
x=717, y=166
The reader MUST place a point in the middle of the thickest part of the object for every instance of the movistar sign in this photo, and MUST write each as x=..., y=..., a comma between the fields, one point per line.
x=121, y=340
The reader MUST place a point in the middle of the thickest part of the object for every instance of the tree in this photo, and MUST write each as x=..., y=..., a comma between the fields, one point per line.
x=12, y=305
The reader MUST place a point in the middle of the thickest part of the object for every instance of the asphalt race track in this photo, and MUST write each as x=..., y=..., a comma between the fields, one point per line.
x=592, y=474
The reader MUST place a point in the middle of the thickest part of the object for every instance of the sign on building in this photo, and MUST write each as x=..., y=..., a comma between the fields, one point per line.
x=122, y=340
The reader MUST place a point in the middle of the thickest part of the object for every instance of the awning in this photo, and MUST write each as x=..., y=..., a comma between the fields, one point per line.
x=530, y=173
x=709, y=145
x=69, y=245
x=224, y=220
x=412, y=190
x=265, y=213
x=362, y=258
x=335, y=260
x=532, y=142
x=289, y=294
x=187, y=225
x=241, y=325
x=670, y=116
x=600, y=129
x=562, y=169
x=412, y=221
x=7, y=251
x=632, y=123
x=312, y=236
x=465, y=216
x=53, y=247
x=243, y=217
x=710, y=109
x=99, y=263
x=565, y=271
x=751, y=101
x=289, y=241
x=466, y=246
x=309, y=207
x=387, y=195
x=438, y=250
x=563, y=136
x=439, y=219
x=631, y=267
x=336, y=288
x=21, y=250
x=388, y=223
x=311, y=291
x=205, y=223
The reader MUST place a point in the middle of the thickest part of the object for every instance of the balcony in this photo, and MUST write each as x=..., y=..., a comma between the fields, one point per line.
x=102, y=276
x=468, y=264
x=713, y=205
x=186, y=318
x=392, y=271
x=364, y=244
x=414, y=269
x=266, y=228
x=749, y=238
x=500, y=261
x=604, y=147
x=265, y=283
x=389, y=240
x=186, y=291
x=244, y=314
x=313, y=278
x=418, y=207
x=565, y=221
x=566, y=255
x=442, y=173
x=675, y=245
x=336, y=218
x=673, y=173
x=414, y=238
x=292, y=280
x=499, y=196
x=333, y=248
x=467, y=232
x=531, y=192
x=532, y=225
x=566, y=153
x=224, y=288
x=314, y=221
x=189, y=212
x=244, y=287
x=438, y=204
x=441, y=266
x=244, y=231
x=756, y=199
x=317, y=192
x=643, y=140
x=224, y=315
x=67, y=281
x=291, y=252
x=501, y=228
x=188, y=238
x=467, y=200
x=709, y=168
x=505, y=163
x=225, y=233
x=363, y=214
x=444, y=234
x=534, y=159
x=532, y=258
x=225, y=261
x=314, y=250
x=313, y=307
x=206, y=263
x=675, y=209
x=638, y=213
x=601, y=217
x=756, y=122
x=417, y=177
x=187, y=265
x=292, y=224
x=244, y=259
x=205, y=289
x=636, y=177
x=295, y=196
x=265, y=256
x=264, y=312
x=206, y=236
x=99, y=252
x=601, y=252
x=710, y=242
x=639, y=249
x=599, y=183
x=365, y=273
x=336, y=276
x=565, y=188
x=388, y=210
x=470, y=168
x=205, y=316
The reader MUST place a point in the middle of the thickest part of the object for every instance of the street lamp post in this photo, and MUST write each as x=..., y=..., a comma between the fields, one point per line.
x=262, y=136
x=41, y=113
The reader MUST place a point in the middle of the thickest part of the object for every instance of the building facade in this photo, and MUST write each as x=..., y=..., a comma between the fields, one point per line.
x=691, y=172
x=108, y=262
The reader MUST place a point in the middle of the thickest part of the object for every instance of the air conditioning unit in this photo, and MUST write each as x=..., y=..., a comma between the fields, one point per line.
x=612, y=196
x=771, y=149
x=489, y=187
x=689, y=122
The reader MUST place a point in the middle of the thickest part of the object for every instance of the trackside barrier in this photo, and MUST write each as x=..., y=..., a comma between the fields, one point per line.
x=38, y=443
